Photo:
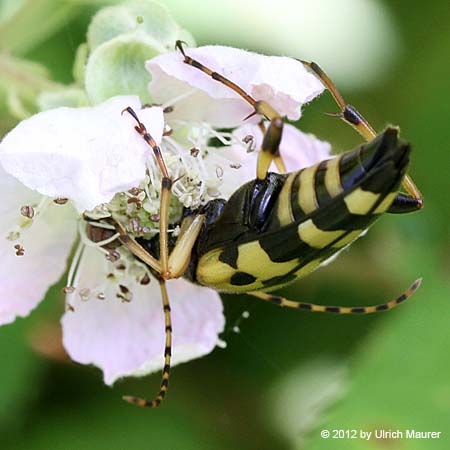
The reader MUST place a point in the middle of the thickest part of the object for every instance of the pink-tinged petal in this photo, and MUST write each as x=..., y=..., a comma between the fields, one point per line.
x=127, y=338
x=297, y=148
x=281, y=81
x=24, y=280
x=14, y=195
x=238, y=166
x=85, y=154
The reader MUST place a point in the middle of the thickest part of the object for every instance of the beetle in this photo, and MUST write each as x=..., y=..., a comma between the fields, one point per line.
x=291, y=223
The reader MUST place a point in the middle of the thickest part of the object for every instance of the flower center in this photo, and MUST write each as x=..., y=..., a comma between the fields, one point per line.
x=121, y=270
x=189, y=154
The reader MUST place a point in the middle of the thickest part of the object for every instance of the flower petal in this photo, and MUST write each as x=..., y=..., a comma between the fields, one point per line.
x=14, y=195
x=297, y=148
x=238, y=166
x=85, y=154
x=283, y=82
x=25, y=279
x=127, y=339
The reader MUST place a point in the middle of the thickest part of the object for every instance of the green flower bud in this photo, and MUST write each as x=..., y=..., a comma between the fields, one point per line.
x=117, y=68
x=139, y=16
x=120, y=39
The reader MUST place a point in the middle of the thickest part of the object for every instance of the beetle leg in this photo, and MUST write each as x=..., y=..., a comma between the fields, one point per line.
x=172, y=266
x=277, y=159
x=181, y=254
x=166, y=188
x=350, y=115
x=218, y=77
x=137, y=248
x=403, y=203
x=270, y=148
x=163, y=263
x=167, y=357
x=281, y=301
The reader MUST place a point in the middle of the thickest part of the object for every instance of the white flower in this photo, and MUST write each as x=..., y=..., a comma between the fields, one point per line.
x=199, y=106
x=94, y=158
x=85, y=154
x=283, y=82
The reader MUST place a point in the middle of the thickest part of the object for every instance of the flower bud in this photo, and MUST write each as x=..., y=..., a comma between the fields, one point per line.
x=120, y=39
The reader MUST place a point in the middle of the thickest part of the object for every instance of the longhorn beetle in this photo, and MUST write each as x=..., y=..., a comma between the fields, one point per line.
x=290, y=223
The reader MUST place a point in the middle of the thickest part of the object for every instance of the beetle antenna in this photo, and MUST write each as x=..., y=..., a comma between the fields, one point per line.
x=281, y=301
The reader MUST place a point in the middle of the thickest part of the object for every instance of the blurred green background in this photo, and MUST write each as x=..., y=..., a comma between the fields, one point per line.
x=284, y=375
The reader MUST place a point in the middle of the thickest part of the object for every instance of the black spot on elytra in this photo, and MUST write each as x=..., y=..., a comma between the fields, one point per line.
x=242, y=279
x=229, y=256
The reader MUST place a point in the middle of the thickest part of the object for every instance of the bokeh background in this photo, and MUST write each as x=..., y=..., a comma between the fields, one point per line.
x=284, y=375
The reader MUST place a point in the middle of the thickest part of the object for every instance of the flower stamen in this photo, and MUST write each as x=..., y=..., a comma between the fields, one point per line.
x=169, y=105
x=60, y=200
x=20, y=251
x=72, y=275
x=27, y=211
x=84, y=294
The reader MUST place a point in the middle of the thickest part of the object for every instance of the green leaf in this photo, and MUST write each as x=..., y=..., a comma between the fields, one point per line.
x=20, y=83
x=401, y=374
x=306, y=392
x=19, y=31
x=19, y=374
x=112, y=424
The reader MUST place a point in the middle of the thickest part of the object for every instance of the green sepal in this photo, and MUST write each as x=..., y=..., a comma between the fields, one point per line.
x=120, y=40
x=145, y=17
x=79, y=65
x=117, y=67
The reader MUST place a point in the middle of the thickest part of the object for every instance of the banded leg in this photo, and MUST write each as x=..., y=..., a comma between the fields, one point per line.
x=137, y=249
x=166, y=188
x=349, y=114
x=178, y=261
x=167, y=357
x=281, y=301
x=168, y=266
x=270, y=147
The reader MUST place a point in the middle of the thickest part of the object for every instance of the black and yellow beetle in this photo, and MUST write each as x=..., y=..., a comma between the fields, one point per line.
x=279, y=227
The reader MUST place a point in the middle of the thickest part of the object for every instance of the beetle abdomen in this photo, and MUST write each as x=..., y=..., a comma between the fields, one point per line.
x=309, y=216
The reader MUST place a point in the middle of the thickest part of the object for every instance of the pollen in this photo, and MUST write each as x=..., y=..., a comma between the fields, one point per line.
x=20, y=251
x=84, y=294
x=60, y=200
x=124, y=294
x=27, y=211
x=113, y=256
